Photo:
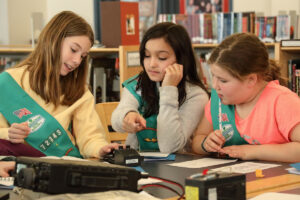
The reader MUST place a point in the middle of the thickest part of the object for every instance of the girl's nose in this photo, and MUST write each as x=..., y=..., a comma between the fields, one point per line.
x=153, y=62
x=77, y=59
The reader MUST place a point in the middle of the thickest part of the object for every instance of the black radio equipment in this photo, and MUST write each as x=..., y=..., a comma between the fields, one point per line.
x=69, y=176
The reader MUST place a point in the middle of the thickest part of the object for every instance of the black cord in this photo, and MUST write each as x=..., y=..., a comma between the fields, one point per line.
x=171, y=182
x=159, y=185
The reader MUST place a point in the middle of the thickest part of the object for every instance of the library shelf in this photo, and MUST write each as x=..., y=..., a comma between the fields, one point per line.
x=281, y=55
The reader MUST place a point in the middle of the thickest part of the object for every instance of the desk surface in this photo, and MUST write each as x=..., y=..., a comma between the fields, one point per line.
x=275, y=179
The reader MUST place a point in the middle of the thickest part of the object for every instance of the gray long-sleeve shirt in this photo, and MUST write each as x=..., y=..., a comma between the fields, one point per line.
x=175, y=125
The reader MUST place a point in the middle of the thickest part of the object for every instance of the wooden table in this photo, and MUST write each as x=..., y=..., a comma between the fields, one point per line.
x=275, y=179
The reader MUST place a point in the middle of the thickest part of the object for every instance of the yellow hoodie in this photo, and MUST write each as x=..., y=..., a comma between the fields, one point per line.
x=89, y=135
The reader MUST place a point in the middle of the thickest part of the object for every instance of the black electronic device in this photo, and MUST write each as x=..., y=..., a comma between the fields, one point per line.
x=216, y=185
x=121, y=156
x=4, y=196
x=57, y=176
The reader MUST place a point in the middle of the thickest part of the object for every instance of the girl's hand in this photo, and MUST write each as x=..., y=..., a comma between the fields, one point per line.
x=18, y=132
x=214, y=142
x=133, y=122
x=243, y=152
x=173, y=75
x=108, y=148
x=5, y=167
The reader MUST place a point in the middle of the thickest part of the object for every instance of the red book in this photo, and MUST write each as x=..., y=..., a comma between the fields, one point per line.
x=119, y=23
x=182, y=6
x=226, y=6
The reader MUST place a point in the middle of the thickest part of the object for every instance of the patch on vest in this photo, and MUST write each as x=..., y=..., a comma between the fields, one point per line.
x=227, y=131
x=35, y=122
x=22, y=112
x=154, y=140
x=50, y=140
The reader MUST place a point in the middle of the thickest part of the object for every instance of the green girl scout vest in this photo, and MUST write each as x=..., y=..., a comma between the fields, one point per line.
x=46, y=135
x=147, y=138
x=223, y=118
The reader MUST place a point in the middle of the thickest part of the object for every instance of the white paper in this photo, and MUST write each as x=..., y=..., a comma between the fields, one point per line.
x=111, y=195
x=154, y=154
x=6, y=181
x=276, y=196
x=245, y=167
x=144, y=181
x=203, y=162
x=133, y=59
x=64, y=158
x=293, y=170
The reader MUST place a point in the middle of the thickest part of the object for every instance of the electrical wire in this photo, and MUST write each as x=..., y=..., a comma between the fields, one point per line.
x=159, y=185
x=181, y=196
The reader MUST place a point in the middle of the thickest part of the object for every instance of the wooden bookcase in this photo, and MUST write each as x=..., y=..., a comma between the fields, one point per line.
x=123, y=52
x=126, y=54
x=284, y=54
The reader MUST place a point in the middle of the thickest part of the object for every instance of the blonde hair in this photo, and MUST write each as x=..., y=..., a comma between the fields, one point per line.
x=44, y=63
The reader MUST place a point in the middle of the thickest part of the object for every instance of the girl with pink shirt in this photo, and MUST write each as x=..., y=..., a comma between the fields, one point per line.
x=250, y=116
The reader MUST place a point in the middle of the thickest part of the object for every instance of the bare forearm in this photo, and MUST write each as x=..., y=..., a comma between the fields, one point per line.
x=288, y=152
x=197, y=144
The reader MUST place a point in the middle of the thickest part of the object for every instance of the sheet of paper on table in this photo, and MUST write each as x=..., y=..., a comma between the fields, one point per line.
x=275, y=195
x=202, y=162
x=245, y=167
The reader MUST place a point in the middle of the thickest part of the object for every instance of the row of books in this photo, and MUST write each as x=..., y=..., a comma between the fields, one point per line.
x=214, y=27
x=278, y=28
x=294, y=75
x=6, y=62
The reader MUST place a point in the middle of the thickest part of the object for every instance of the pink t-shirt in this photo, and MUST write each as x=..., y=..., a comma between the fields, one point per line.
x=272, y=119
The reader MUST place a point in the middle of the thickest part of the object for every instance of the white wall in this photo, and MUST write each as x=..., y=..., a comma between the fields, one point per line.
x=4, y=36
x=19, y=15
x=268, y=7
x=19, y=19
x=84, y=8
x=285, y=5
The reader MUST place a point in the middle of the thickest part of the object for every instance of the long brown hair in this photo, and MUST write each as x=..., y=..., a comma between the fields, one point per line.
x=44, y=63
x=242, y=54
x=177, y=37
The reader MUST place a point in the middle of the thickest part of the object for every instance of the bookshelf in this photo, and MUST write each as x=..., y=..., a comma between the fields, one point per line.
x=19, y=52
x=285, y=54
x=129, y=59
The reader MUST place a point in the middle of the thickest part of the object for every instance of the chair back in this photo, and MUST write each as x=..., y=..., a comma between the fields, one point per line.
x=104, y=111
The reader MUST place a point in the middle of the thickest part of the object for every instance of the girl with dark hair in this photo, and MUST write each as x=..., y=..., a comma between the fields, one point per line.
x=45, y=105
x=249, y=116
x=161, y=106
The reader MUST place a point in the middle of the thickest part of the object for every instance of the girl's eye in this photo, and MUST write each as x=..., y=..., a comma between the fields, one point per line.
x=162, y=58
x=73, y=50
x=147, y=56
x=223, y=81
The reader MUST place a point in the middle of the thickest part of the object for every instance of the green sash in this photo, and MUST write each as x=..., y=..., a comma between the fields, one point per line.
x=225, y=121
x=46, y=135
x=147, y=138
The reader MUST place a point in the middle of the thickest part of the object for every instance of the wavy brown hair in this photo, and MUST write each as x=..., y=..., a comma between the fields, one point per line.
x=44, y=63
x=242, y=54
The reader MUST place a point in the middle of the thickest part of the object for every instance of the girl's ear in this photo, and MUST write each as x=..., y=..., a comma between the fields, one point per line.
x=252, y=79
